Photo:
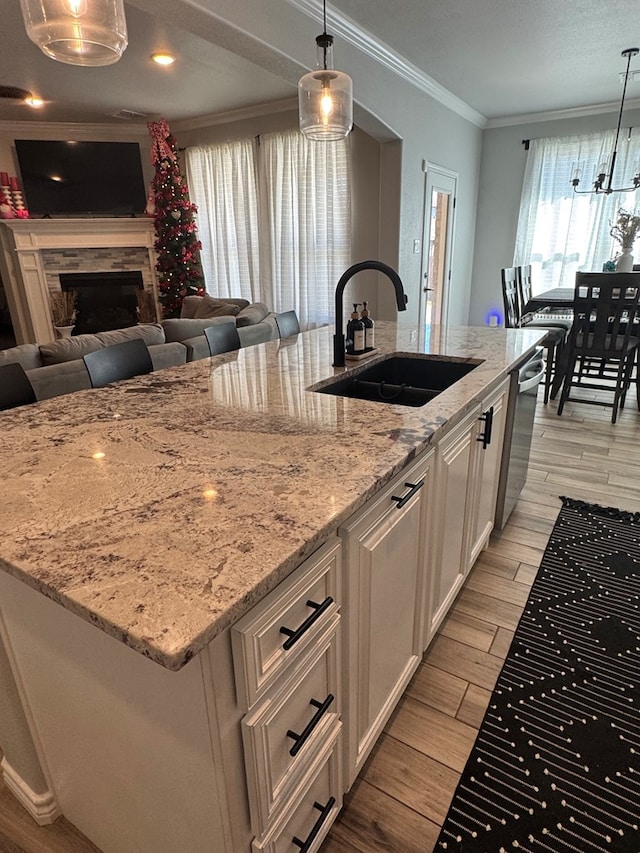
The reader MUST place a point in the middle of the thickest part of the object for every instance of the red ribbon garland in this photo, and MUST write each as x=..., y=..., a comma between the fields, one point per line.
x=160, y=148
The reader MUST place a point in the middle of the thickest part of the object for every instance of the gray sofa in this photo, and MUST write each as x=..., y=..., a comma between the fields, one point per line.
x=57, y=368
x=254, y=322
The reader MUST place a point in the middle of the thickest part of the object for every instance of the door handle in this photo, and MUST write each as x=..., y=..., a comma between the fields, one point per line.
x=485, y=437
x=413, y=488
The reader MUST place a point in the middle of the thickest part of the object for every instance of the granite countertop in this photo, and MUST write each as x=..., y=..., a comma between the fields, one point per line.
x=162, y=508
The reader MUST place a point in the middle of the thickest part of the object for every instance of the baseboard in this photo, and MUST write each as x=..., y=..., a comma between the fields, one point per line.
x=43, y=808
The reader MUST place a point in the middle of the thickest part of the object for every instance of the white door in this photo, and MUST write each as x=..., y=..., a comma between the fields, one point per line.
x=437, y=242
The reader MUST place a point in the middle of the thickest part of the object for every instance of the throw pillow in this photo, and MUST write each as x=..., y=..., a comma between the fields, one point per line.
x=210, y=307
x=151, y=333
x=69, y=349
x=189, y=307
x=254, y=313
x=181, y=329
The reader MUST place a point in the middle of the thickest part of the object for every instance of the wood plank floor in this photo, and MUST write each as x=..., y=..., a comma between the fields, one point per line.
x=401, y=798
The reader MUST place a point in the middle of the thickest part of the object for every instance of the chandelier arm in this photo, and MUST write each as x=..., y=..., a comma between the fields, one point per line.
x=615, y=144
x=598, y=187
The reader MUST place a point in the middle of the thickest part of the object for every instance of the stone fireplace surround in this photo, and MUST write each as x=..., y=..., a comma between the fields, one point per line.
x=35, y=251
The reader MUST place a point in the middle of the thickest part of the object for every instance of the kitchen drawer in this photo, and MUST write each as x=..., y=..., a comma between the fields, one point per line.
x=307, y=704
x=302, y=605
x=311, y=812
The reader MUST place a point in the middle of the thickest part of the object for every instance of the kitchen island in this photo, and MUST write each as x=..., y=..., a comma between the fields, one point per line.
x=160, y=511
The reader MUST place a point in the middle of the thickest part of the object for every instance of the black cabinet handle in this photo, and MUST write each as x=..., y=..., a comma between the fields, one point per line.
x=301, y=739
x=305, y=845
x=485, y=438
x=294, y=636
x=413, y=488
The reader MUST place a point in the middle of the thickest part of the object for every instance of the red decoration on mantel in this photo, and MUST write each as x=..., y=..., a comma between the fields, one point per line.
x=6, y=211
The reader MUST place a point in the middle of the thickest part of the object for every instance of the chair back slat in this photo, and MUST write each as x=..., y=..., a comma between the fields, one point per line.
x=15, y=387
x=605, y=307
x=510, y=297
x=118, y=361
x=523, y=274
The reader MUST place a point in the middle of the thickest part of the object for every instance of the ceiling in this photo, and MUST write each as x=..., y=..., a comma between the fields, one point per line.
x=501, y=57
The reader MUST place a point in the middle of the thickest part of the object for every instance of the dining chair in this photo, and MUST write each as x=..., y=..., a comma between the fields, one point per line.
x=561, y=320
x=15, y=387
x=118, y=361
x=602, y=346
x=222, y=338
x=554, y=340
x=287, y=323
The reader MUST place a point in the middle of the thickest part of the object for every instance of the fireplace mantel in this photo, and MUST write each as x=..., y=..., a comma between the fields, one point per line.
x=22, y=268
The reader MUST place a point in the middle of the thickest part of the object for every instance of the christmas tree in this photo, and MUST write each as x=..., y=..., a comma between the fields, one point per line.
x=177, y=245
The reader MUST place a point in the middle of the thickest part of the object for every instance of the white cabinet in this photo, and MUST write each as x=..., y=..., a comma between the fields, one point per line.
x=287, y=663
x=384, y=594
x=467, y=470
x=486, y=470
x=453, y=507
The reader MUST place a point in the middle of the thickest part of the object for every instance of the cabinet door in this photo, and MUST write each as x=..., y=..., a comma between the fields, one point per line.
x=488, y=458
x=453, y=488
x=384, y=592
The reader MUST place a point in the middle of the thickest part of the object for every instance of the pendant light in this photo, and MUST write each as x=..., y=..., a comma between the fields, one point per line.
x=604, y=179
x=325, y=96
x=78, y=32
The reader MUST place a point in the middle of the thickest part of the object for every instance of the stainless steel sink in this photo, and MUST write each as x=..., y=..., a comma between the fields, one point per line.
x=403, y=380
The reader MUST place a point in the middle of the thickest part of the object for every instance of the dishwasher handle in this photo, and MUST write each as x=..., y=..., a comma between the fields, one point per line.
x=527, y=379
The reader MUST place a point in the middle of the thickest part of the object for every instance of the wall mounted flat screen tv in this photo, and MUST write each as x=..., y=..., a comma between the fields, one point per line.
x=81, y=178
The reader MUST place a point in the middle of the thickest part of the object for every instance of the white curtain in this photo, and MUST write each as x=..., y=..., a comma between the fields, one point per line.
x=222, y=184
x=559, y=231
x=305, y=190
x=274, y=219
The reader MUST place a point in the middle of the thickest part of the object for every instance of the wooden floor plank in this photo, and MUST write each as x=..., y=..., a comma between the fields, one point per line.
x=438, y=689
x=467, y=629
x=474, y=705
x=443, y=738
x=472, y=665
x=412, y=778
x=379, y=824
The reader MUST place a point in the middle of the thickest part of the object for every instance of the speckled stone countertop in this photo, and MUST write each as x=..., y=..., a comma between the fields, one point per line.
x=162, y=508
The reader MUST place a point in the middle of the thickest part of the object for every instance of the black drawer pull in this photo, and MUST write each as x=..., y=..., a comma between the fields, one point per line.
x=318, y=610
x=305, y=845
x=413, y=488
x=485, y=438
x=300, y=739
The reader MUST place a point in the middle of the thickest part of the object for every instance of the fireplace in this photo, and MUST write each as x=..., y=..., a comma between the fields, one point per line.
x=105, y=300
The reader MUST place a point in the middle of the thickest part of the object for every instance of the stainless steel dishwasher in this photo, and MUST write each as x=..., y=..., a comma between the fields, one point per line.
x=521, y=409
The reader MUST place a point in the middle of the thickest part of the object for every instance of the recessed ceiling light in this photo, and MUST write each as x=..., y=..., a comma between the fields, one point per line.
x=34, y=102
x=163, y=58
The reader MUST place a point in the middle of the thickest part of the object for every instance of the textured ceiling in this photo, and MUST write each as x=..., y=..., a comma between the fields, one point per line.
x=501, y=57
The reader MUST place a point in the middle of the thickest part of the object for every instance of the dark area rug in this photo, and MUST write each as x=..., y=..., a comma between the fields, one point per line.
x=556, y=765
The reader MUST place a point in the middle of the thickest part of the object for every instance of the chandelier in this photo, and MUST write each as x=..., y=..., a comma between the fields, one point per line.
x=78, y=32
x=604, y=179
x=325, y=98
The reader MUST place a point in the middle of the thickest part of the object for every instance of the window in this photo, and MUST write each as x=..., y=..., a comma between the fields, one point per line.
x=561, y=232
x=274, y=219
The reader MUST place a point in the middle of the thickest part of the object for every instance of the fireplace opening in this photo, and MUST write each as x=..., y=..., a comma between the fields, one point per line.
x=105, y=300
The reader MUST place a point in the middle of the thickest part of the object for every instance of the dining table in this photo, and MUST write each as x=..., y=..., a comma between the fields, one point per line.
x=554, y=299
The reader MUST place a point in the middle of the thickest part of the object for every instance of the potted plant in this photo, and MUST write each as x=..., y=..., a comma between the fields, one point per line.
x=625, y=231
x=63, y=311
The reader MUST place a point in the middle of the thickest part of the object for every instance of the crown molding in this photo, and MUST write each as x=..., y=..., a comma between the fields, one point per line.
x=557, y=115
x=254, y=111
x=56, y=129
x=377, y=50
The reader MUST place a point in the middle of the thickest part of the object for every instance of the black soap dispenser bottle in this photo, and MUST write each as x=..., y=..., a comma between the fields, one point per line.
x=369, y=339
x=355, y=333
